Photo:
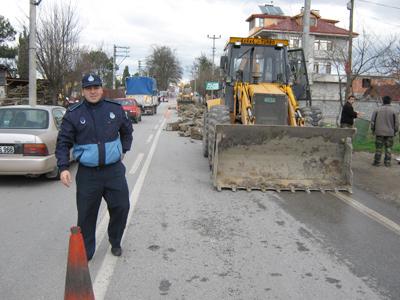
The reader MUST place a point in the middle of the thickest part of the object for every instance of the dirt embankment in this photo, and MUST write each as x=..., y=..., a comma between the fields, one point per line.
x=382, y=181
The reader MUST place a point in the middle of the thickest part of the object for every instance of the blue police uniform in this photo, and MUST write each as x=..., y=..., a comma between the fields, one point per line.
x=99, y=134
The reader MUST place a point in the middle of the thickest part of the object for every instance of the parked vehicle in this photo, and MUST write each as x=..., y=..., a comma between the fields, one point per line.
x=163, y=96
x=131, y=108
x=144, y=90
x=28, y=136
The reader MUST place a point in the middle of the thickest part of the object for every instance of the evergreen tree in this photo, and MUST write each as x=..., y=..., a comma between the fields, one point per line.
x=7, y=34
x=23, y=54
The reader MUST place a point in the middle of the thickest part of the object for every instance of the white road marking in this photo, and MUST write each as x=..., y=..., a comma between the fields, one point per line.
x=149, y=139
x=101, y=228
x=389, y=224
x=156, y=127
x=107, y=268
x=136, y=164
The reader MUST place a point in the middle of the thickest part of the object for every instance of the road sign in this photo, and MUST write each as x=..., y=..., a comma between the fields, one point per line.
x=212, y=85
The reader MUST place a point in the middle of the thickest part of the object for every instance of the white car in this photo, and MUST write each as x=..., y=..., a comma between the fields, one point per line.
x=28, y=136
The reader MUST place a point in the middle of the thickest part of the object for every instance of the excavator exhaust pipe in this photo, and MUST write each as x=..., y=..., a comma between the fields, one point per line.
x=263, y=157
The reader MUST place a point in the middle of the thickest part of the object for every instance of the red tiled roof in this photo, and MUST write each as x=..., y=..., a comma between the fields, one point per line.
x=323, y=26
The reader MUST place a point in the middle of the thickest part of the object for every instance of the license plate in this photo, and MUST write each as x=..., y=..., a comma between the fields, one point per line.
x=6, y=149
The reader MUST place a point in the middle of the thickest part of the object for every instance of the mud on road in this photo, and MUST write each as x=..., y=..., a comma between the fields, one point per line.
x=384, y=182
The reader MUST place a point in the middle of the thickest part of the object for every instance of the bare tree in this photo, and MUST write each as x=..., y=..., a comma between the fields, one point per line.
x=202, y=72
x=163, y=65
x=368, y=50
x=57, y=38
x=389, y=62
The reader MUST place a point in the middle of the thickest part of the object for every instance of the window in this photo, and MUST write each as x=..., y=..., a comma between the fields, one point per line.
x=366, y=82
x=323, y=45
x=58, y=116
x=24, y=118
x=259, y=22
x=316, y=68
x=295, y=43
x=322, y=68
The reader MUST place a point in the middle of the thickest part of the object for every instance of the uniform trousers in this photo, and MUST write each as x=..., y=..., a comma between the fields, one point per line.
x=380, y=143
x=93, y=184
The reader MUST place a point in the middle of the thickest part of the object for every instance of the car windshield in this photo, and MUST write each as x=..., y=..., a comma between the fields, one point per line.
x=26, y=118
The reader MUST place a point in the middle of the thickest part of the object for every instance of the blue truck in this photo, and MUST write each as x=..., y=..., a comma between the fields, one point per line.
x=144, y=90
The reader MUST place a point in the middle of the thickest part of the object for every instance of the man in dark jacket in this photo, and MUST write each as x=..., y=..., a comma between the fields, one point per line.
x=348, y=113
x=384, y=125
x=99, y=133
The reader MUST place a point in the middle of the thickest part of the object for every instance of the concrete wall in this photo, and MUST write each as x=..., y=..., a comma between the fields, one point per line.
x=326, y=91
x=331, y=109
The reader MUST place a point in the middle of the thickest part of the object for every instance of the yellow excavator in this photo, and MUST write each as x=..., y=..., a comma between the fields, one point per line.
x=256, y=136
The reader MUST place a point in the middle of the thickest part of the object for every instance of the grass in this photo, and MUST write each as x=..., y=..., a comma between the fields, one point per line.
x=364, y=139
x=368, y=144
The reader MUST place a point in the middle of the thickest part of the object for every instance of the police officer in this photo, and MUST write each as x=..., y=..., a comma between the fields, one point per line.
x=100, y=134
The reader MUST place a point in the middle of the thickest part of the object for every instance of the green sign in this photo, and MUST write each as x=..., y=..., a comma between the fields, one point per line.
x=269, y=100
x=212, y=85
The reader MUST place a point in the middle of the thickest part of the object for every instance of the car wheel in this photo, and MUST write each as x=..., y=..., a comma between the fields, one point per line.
x=55, y=174
x=140, y=118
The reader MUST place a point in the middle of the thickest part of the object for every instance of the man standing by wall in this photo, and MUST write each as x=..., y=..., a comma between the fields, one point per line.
x=100, y=134
x=384, y=125
x=348, y=113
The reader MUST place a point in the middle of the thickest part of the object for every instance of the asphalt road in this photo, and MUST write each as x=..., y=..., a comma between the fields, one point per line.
x=185, y=240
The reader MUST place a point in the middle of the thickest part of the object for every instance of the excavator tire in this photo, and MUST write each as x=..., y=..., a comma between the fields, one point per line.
x=205, y=136
x=218, y=114
x=312, y=116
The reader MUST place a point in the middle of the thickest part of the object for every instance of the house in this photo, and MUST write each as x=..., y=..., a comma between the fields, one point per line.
x=375, y=87
x=324, y=64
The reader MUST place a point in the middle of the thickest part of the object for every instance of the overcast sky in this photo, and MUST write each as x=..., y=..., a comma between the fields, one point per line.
x=184, y=25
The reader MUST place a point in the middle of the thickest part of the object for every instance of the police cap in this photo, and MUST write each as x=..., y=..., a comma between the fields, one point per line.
x=91, y=80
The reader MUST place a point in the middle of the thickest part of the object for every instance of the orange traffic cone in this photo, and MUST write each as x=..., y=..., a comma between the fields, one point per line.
x=78, y=285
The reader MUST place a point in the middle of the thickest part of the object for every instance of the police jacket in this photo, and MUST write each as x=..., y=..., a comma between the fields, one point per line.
x=98, y=134
x=385, y=121
x=348, y=114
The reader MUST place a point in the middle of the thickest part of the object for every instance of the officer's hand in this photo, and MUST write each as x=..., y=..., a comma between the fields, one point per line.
x=65, y=178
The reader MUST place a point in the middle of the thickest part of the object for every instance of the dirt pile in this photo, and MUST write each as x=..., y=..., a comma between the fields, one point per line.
x=190, y=122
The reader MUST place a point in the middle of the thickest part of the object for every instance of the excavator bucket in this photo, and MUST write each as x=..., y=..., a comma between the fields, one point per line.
x=263, y=157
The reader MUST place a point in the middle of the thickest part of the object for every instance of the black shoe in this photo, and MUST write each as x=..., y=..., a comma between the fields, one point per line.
x=376, y=164
x=387, y=165
x=116, y=251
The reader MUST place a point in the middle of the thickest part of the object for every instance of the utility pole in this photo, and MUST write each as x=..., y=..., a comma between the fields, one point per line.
x=32, y=52
x=348, y=68
x=213, y=55
x=140, y=67
x=119, y=51
x=306, y=34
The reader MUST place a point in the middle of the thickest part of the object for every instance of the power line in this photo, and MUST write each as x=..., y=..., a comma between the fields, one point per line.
x=380, y=4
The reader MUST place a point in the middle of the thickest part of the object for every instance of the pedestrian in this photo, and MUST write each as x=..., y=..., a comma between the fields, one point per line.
x=100, y=134
x=348, y=113
x=384, y=125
